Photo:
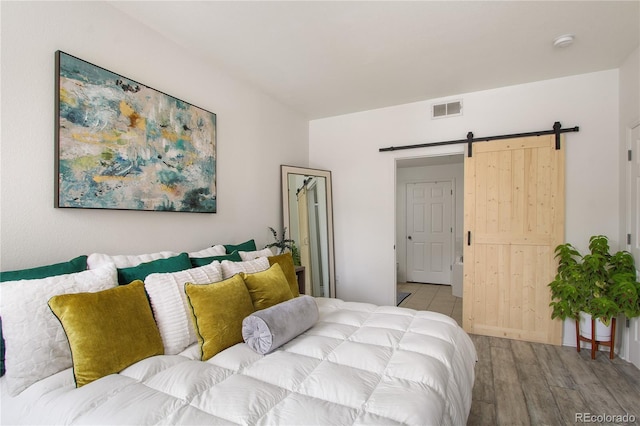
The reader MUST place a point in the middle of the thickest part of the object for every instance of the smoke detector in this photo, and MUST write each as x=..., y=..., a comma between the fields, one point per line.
x=563, y=40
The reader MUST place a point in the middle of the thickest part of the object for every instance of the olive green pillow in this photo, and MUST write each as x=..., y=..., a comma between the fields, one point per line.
x=267, y=288
x=218, y=310
x=108, y=330
x=285, y=260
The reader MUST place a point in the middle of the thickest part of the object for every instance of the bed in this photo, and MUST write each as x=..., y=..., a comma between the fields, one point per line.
x=357, y=364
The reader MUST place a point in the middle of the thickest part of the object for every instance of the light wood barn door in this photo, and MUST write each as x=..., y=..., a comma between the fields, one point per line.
x=514, y=212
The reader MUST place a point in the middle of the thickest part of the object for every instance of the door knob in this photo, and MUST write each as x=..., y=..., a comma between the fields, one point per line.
x=409, y=237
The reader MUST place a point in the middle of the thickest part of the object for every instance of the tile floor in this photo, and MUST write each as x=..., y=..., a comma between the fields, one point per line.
x=432, y=297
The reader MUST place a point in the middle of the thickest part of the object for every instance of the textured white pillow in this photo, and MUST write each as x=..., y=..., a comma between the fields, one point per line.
x=229, y=268
x=170, y=305
x=36, y=344
x=129, y=260
x=209, y=252
x=250, y=255
x=96, y=260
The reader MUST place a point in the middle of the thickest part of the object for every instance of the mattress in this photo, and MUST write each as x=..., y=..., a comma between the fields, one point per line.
x=359, y=364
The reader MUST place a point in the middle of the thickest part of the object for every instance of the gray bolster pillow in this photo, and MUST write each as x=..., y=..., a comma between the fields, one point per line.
x=268, y=329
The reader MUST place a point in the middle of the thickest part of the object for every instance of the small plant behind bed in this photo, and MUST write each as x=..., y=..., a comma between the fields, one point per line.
x=283, y=244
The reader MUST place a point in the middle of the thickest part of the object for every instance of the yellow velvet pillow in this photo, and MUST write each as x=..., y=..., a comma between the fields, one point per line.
x=285, y=260
x=108, y=330
x=267, y=288
x=218, y=310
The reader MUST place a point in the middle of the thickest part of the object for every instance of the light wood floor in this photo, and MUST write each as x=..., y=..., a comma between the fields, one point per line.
x=522, y=383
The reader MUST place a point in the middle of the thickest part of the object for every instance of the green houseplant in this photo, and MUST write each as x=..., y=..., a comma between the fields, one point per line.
x=283, y=244
x=599, y=284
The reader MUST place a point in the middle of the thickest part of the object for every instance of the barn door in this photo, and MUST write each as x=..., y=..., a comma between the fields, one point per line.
x=514, y=219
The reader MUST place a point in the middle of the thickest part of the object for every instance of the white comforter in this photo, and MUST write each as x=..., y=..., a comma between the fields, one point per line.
x=360, y=364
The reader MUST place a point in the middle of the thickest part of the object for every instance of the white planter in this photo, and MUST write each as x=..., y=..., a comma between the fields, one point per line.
x=603, y=332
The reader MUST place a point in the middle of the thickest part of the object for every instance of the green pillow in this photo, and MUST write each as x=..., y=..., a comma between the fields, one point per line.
x=267, y=288
x=202, y=261
x=218, y=310
x=107, y=330
x=140, y=272
x=78, y=264
x=285, y=260
x=246, y=246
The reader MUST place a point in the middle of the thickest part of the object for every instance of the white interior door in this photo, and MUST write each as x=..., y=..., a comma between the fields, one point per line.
x=429, y=232
x=634, y=225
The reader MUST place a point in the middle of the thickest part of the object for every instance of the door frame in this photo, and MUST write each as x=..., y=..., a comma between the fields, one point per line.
x=452, y=182
x=400, y=201
x=628, y=145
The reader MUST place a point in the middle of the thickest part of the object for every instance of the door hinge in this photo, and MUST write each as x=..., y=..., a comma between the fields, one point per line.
x=629, y=155
x=628, y=323
x=628, y=239
x=451, y=267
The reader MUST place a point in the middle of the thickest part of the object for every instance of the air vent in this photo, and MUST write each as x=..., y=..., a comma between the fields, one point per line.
x=448, y=109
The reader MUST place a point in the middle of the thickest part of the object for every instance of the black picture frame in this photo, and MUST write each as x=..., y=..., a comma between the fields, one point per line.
x=123, y=145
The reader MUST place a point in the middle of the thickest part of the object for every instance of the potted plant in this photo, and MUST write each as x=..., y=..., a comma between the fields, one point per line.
x=598, y=285
x=283, y=244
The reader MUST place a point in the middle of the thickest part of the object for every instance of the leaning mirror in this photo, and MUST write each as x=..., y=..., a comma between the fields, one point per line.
x=308, y=215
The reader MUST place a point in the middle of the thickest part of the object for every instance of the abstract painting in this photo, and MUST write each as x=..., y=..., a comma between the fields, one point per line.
x=123, y=145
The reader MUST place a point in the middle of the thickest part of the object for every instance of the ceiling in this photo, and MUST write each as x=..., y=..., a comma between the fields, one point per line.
x=327, y=58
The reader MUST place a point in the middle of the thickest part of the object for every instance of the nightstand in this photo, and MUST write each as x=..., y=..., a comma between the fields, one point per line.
x=301, y=275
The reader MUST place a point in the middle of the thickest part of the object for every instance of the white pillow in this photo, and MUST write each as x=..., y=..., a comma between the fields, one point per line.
x=96, y=260
x=170, y=305
x=230, y=268
x=129, y=260
x=36, y=344
x=209, y=252
x=250, y=255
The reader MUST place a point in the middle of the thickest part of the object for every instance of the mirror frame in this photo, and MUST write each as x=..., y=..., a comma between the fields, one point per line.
x=285, y=172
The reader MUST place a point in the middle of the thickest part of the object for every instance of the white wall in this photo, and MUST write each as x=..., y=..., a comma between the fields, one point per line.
x=255, y=136
x=363, y=178
x=630, y=90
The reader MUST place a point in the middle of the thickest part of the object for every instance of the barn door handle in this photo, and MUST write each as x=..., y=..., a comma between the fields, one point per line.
x=468, y=238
